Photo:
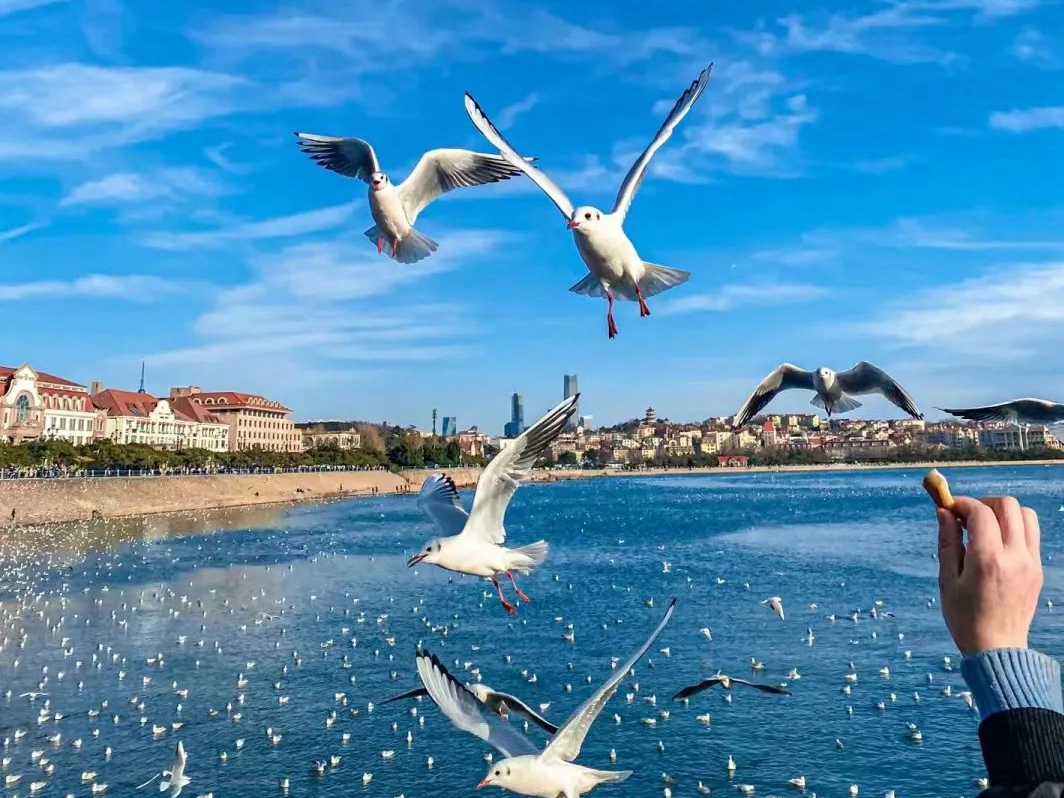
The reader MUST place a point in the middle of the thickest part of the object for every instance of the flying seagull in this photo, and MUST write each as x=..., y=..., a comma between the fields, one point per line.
x=726, y=682
x=1018, y=411
x=775, y=603
x=174, y=779
x=502, y=704
x=834, y=390
x=395, y=208
x=614, y=264
x=525, y=769
x=474, y=540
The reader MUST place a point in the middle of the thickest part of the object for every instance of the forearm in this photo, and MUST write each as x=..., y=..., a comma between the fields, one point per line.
x=1018, y=693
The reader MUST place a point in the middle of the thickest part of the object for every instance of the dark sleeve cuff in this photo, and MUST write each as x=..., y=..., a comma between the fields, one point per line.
x=1023, y=746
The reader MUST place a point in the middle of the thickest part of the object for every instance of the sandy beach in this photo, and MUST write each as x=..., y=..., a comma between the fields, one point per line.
x=45, y=501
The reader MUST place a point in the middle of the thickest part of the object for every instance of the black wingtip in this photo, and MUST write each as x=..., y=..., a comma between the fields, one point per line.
x=672, y=603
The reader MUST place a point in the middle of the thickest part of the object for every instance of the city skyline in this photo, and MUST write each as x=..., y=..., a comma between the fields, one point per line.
x=821, y=194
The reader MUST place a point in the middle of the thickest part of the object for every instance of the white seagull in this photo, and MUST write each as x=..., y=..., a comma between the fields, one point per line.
x=474, y=540
x=1018, y=411
x=833, y=389
x=614, y=265
x=552, y=772
x=775, y=603
x=395, y=208
x=174, y=779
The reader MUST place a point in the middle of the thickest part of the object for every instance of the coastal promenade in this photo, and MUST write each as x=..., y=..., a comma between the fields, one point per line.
x=44, y=501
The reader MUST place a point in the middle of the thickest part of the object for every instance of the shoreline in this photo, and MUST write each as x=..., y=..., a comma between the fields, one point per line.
x=53, y=501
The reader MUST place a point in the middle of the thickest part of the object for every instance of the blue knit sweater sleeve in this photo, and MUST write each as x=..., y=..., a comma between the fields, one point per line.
x=1012, y=678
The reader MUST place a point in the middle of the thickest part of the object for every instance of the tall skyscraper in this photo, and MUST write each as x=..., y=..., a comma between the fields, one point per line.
x=516, y=425
x=570, y=388
x=450, y=426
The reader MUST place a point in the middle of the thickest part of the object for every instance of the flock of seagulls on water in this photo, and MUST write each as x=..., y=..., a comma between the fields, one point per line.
x=84, y=704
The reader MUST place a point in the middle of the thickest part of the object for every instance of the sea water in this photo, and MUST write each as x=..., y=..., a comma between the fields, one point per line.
x=322, y=590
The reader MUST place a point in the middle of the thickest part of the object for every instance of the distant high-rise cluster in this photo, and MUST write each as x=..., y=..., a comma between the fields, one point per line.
x=450, y=426
x=516, y=425
x=570, y=388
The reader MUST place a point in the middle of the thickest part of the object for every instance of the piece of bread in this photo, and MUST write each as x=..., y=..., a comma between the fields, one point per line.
x=936, y=486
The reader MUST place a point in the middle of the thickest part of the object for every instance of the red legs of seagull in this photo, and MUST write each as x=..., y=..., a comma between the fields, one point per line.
x=610, y=325
x=380, y=244
x=395, y=249
x=520, y=593
x=506, y=605
x=643, y=309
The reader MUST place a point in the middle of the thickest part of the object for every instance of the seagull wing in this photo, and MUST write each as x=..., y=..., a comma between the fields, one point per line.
x=639, y=168
x=695, y=689
x=440, y=501
x=417, y=692
x=765, y=688
x=784, y=378
x=440, y=171
x=506, y=470
x=1032, y=410
x=519, y=707
x=866, y=378
x=570, y=737
x=350, y=157
x=466, y=712
x=484, y=125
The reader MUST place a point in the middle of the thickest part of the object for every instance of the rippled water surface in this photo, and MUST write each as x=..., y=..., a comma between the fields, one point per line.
x=314, y=606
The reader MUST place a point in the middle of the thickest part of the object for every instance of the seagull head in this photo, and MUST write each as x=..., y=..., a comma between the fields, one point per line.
x=499, y=775
x=584, y=218
x=378, y=180
x=429, y=553
x=825, y=375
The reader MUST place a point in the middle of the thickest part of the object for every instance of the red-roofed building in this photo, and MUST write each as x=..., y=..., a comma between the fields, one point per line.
x=37, y=405
x=254, y=421
x=139, y=417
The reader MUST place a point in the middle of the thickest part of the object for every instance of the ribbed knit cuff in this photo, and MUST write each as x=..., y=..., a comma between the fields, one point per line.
x=1012, y=678
x=1023, y=748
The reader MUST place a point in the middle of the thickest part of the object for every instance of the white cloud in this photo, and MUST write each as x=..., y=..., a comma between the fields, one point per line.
x=730, y=297
x=70, y=110
x=1012, y=315
x=296, y=224
x=124, y=188
x=1028, y=119
x=508, y=115
x=1031, y=46
x=332, y=300
x=8, y=7
x=17, y=232
x=882, y=166
x=127, y=287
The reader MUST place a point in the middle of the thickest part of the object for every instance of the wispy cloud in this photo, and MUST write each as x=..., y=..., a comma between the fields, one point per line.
x=127, y=287
x=71, y=111
x=125, y=188
x=731, y=297
x=17, y=232
x=8, y=7
x=882, y=166
x=1028, y=119
x=508, y=115
x=333, y=301
x=1032, y=47
x=1014, y=314
x=296, y=224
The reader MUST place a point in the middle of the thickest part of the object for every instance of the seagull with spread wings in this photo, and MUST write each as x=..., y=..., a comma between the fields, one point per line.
x=473, y=542
x=552, y=772
x=502, y=704
x=1018, y=411
x=395, y=208
x=726, y=682
x=834, y=390
x=614, y=264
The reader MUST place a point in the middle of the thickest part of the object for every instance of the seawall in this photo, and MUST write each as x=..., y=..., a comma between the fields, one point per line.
x=41, y=501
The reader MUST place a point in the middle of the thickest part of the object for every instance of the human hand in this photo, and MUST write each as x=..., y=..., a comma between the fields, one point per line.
x=989, y=588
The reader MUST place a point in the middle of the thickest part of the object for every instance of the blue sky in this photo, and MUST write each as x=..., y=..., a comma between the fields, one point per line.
x=877, y=180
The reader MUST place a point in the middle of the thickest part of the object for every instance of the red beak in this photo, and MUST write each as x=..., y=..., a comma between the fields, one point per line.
x=484, y=783
x=572, y=224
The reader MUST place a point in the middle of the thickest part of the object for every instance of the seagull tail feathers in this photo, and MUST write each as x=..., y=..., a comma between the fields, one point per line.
x=531, y=556
x=605, y=776
x=414, y=247
x=661, y=278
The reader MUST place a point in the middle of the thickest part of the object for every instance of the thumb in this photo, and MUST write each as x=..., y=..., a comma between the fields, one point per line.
x=950, y=548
